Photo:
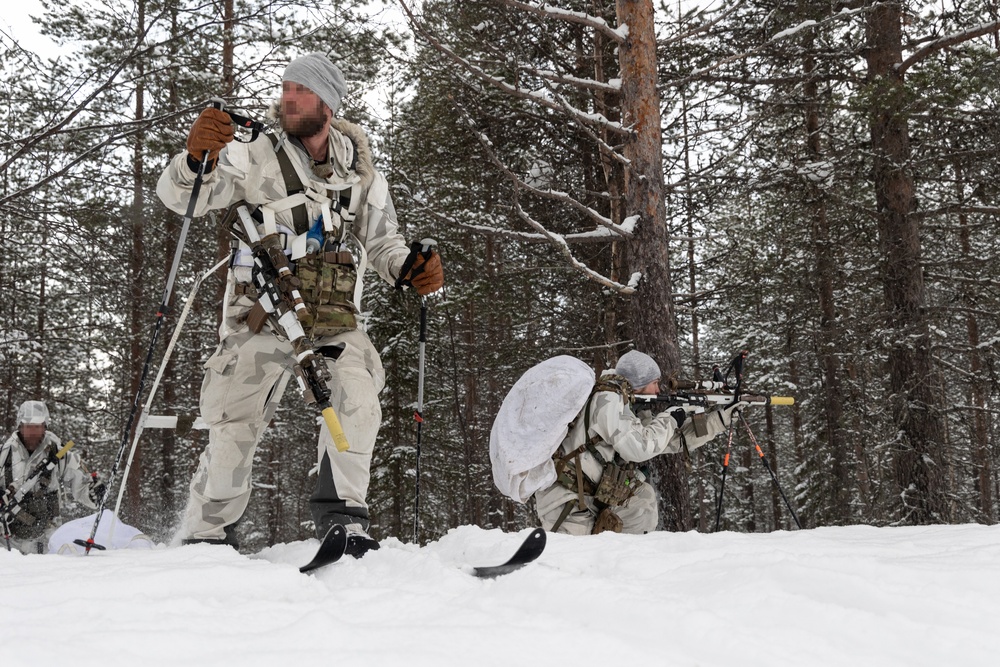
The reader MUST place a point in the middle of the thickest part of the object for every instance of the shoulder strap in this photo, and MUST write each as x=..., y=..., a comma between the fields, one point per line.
x=293, y=183
x=6, y=466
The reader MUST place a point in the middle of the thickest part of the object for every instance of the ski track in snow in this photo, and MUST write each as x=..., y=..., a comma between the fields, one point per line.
x=830, y=596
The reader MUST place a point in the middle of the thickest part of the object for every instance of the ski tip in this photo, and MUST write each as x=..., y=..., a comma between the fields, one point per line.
x=531, y=548
x=331, y=549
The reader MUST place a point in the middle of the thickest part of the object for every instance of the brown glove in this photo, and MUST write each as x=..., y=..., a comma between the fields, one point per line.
x=426, y=275
x=212, y=130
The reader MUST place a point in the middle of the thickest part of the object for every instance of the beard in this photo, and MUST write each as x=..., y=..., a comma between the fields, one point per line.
x=305, y=124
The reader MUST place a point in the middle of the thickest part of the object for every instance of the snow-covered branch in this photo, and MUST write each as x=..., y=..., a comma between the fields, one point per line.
x=612, y=87
x=536, y=96
x=946, y=41
x=550, y=194
x=549, y=11
x=560, y=242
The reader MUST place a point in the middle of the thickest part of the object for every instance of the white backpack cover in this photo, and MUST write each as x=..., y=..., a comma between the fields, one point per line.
x=111, y=534
x=533, y=421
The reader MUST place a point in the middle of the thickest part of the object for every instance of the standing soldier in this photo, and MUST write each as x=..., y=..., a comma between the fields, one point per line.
x=314, y=184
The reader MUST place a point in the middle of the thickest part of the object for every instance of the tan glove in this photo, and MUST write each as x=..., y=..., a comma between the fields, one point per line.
x=212, y=130
x=426, y=276
x=728, y=414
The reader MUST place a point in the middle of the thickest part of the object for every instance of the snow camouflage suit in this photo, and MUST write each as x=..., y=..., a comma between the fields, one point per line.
x=246, y=376
x=41, y=511
x=634, y=439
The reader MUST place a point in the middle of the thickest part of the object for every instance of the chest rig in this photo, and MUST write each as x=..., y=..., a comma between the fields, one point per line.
x=40, y=506
x=319, y=245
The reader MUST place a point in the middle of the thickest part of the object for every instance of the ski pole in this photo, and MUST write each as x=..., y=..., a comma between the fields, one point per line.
x=144, y=415
x=419, y=415
x=774, y=478
x=418, y=248
x=160, y=315
x=725, y=469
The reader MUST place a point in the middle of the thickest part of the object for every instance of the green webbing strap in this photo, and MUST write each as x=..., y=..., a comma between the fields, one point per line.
x=293, y=185
x=567, y=508
x=613, y=383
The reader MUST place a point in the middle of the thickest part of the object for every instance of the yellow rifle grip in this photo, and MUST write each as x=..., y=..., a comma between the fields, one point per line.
x=68, y=446
x=336, y=432
x=782, y=400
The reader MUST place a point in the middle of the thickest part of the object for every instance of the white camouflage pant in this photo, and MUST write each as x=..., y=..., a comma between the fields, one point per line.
x=640, y=515
x=246, y=375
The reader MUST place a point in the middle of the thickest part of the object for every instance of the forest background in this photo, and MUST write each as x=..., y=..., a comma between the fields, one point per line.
x=813, y=182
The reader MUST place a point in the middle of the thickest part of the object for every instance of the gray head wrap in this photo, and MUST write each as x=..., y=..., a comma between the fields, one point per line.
x=638, y=368
x=318, y=74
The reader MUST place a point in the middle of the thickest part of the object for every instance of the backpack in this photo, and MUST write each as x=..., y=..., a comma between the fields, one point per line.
x=533, y=421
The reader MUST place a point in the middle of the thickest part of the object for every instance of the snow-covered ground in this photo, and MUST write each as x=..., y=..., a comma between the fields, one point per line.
x=831, y=596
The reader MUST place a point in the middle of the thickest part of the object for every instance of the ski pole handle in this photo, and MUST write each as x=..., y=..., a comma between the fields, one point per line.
x=426, y=247
x=422, y=248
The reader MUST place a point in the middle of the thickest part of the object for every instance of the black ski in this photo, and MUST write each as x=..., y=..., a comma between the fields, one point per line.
x=335, y=545
x=331, y=549
x=529, y=550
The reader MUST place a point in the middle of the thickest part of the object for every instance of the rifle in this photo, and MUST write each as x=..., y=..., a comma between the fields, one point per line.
x=719, y=391
x=14, y=495
x=281, y=304
x=696, y=396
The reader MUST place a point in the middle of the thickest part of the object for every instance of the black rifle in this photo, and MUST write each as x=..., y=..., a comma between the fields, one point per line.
x=14, y=495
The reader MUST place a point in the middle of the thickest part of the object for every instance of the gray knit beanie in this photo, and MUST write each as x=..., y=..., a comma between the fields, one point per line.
x=638, y=368
x=318, y=74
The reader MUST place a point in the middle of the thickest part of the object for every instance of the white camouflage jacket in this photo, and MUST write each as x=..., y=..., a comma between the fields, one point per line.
x=634, y=438
x=251, y=172
x=70, y=478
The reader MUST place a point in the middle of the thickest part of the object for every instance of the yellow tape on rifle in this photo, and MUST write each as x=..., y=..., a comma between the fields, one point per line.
x=782, y=400
x=68, y=446
x=336, y=431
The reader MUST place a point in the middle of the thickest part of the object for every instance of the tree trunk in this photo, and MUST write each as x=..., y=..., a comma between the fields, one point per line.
x=918, y=461
x=978, y=391
x=829, y=334
x=136, y=262
x=651, y=314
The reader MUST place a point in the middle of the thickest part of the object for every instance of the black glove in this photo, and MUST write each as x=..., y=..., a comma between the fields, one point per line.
x=679, y=416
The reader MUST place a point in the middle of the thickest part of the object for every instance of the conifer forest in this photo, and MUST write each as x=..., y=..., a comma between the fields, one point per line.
x=814, y=183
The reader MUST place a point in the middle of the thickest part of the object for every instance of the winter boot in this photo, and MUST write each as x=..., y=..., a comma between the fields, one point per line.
x=359, y=542
x=228, y=540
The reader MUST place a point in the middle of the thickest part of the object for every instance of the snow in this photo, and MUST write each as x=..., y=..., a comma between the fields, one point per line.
x=791, y=31
x=829, y=596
